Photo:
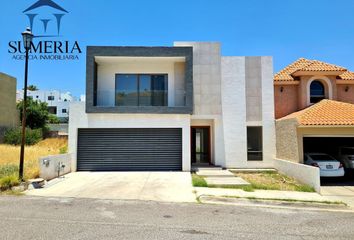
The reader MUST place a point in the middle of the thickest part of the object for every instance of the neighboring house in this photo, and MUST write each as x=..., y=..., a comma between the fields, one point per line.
x=314, y=107
x=82, y=98
x=9, y=116
x=58, y=103
x=322, y=127
x=305, y=82
x=167, y=108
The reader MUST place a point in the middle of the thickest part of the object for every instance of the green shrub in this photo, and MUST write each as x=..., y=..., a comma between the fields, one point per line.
x=53, y=119
x=8, y=170
x=36, y=113
x=63, y=150
x=13, y=136
x=8, y=182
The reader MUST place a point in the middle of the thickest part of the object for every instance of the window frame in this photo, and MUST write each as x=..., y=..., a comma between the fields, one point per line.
x=138, y=76
x=318, y=97
x=259, y=152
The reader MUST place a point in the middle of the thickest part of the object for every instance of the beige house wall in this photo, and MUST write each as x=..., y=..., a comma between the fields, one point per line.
x=286, y=140
x=8, y=111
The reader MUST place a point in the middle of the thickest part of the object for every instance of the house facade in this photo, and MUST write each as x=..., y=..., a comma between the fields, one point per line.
x=305, y=82
x=168, y=108
x=9, y=116
x=314, y=107
x=58, y=102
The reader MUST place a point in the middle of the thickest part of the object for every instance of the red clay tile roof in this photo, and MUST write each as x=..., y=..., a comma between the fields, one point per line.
x=285, y=74
x=318, y=66
x=307, y=65
x=325, y=113
x=347, y=75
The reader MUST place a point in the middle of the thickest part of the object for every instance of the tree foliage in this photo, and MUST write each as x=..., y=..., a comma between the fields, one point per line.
x=32, y=88
x=37, y=113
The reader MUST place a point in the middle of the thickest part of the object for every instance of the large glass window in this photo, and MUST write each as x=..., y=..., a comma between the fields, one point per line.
x=254, y=144
x=317, y=91
x=126, y=90
x=141, y=89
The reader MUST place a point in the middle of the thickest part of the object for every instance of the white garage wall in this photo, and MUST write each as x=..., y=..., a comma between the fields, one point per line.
x=79, y=119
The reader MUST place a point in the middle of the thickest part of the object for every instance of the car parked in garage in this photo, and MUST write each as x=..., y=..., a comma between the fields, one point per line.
x=346, y=156
x=329, y=166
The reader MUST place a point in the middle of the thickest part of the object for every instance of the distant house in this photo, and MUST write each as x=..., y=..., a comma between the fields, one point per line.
x=8, y=103
x=58, y=103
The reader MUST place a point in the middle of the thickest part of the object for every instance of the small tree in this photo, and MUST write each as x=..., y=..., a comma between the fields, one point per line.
x=53, y=119
x=36, y=113
x=32, y=88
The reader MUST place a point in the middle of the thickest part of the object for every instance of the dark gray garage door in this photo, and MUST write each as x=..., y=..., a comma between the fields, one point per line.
x=143, y=149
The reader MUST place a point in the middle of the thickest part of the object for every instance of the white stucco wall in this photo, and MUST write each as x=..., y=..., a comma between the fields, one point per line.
x=206, y=77
x=106, y=73
x=234, y=111
x=79, y=119
x=235, y=77
x=268, y=119
x=303, y=173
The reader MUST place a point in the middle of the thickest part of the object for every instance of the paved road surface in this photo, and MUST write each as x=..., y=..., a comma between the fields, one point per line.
x=64, y=218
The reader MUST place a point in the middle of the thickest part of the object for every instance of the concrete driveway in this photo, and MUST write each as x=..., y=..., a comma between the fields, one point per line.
x=155, y=186
x=340, y=189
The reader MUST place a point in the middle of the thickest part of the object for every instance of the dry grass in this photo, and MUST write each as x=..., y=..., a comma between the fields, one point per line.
x=273, y=181
x=10, y=155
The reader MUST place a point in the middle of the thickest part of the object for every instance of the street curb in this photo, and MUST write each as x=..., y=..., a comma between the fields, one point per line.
x=239, y=201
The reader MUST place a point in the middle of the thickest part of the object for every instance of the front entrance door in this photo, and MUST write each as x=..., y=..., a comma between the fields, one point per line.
x=200, y=141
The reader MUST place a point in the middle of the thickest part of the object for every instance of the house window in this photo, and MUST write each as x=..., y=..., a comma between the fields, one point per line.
x=50, y=98
x=52, y=110
x=63, y=110
x=317, y=91
x=254, y=144
x=141, y=89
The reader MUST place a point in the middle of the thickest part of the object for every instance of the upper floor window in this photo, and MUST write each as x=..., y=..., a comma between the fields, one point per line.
x=317, y=91
x=63, y=110
x=50, y=98
x=141, y=89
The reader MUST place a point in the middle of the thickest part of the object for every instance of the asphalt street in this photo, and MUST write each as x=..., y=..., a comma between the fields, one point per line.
x=24, y=217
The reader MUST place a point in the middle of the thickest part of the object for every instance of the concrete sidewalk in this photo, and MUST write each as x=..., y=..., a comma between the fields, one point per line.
x=263, y=194
x=339, y=193
x=154, y=186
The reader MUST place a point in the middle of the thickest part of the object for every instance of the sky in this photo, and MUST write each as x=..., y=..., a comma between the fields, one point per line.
x=283, y=29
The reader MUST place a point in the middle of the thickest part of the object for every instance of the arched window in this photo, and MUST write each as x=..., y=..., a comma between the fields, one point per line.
x=317, y=92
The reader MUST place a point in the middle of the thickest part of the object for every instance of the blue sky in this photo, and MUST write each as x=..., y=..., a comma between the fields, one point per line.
x=284, y=29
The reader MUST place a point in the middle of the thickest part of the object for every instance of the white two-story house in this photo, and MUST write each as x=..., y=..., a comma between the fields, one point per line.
x=168, y=108
x=58, y=102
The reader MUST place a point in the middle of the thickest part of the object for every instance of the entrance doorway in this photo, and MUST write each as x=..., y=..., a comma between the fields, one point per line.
x=200, y=145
